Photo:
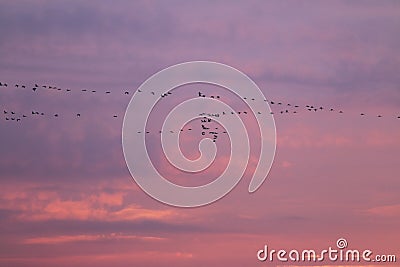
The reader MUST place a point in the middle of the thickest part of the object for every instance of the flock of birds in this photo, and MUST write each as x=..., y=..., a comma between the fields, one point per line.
x=285, y=108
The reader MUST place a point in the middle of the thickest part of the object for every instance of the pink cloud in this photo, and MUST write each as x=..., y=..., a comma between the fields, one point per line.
x=385, y=211
x=82, y=238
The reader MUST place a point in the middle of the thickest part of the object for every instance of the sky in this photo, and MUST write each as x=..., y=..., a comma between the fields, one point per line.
x=66, y=195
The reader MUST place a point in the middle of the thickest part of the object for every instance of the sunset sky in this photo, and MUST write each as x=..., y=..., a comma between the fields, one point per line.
x=66, y=195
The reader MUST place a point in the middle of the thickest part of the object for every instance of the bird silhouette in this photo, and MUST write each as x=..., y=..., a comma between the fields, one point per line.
x=78, y=114
x=108, y=92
